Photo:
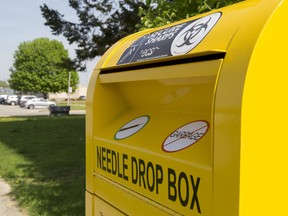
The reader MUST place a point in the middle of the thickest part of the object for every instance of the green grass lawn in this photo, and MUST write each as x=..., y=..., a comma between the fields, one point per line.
x=43, y=159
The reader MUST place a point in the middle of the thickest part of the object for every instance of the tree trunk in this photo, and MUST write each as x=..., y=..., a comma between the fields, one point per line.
x=46, y=95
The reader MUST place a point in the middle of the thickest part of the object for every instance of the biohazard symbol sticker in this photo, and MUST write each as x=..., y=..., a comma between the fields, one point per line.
x=185, y=136
x=193, y=34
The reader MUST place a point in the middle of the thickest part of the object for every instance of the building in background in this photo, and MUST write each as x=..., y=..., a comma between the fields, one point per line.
x=6, y=91
x=80, y=92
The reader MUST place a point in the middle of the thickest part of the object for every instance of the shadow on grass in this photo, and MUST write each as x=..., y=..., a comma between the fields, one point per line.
x=43, y=159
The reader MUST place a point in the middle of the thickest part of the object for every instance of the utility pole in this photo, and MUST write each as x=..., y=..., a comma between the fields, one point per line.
x=69, y=89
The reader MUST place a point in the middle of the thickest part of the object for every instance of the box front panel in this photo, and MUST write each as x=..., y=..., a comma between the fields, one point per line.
x=156, y=154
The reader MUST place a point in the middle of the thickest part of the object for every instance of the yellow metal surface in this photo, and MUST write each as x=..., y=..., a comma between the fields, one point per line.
x=228, y=143
x=197, y=69
x=263, y=178
x=89, y=207
x=142, y=152
x=201, y=133
x=103, y=208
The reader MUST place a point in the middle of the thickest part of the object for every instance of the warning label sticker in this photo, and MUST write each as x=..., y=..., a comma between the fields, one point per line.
x=131, y=127
x=175, y=40
x=185, y=136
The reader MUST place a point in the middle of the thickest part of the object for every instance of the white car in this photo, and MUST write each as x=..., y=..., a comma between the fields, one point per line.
x=24, y=98
x=39, y=103
x=3, y=96
x=12, y=99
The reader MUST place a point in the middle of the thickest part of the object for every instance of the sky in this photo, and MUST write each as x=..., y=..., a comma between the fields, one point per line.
x=21, y=20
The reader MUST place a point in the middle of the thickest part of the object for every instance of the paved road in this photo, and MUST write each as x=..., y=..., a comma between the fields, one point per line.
x=8, y=110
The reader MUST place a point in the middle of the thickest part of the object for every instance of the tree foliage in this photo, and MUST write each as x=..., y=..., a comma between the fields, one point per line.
x=42, y=65
x=161, y=12
x=101, y=24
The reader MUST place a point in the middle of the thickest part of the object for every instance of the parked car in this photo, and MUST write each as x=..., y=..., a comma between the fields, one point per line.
x=3, y=96
x=12, y=100
x=2, y=100
x=39, y=103
x=82, y=97
x=24, y=98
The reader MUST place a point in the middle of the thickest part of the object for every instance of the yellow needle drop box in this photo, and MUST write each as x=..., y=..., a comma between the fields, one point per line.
x=191, y=118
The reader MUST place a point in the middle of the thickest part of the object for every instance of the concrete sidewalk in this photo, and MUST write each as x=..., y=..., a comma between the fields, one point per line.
x=8, y=207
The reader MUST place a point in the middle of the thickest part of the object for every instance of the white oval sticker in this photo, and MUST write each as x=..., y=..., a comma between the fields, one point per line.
x=131, y=127
x=193, y=34
x=185, y=136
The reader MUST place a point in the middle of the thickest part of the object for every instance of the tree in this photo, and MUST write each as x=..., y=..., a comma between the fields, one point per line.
x=42, y=65
x=101, y=24
x=161, y=12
